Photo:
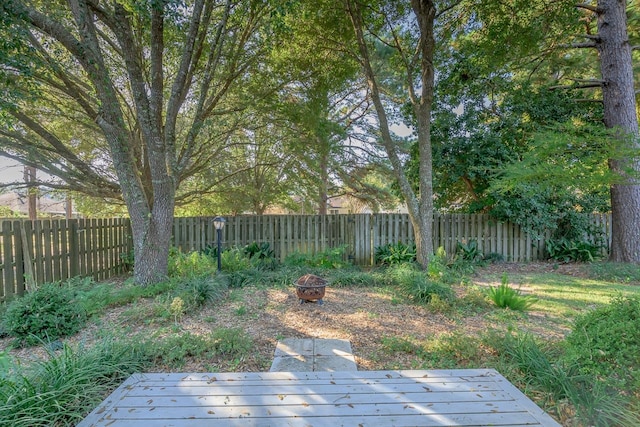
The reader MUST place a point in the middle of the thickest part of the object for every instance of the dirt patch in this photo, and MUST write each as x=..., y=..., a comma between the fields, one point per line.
x=365, y=317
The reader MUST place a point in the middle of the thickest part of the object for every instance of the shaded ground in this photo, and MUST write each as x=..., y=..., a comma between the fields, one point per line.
x=366, y=317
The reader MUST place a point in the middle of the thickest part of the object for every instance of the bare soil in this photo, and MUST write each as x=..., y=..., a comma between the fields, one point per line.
x=365, y=317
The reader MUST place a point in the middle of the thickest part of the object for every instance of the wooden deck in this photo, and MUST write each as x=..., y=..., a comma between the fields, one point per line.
x=465, y=397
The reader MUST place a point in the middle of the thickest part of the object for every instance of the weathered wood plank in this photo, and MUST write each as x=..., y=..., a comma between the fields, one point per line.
x=369, y=398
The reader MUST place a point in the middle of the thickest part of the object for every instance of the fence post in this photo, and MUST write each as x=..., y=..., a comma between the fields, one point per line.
x=74, y=252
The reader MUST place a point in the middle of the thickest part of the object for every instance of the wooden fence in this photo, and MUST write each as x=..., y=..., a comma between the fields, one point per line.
x=361, y=234
x=50, y=250
x=32, y=253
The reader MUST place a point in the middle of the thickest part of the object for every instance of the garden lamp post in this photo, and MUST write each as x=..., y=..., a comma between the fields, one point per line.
x=218, y=224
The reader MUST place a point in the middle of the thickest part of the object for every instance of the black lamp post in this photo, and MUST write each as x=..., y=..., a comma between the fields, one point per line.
x=218, y=224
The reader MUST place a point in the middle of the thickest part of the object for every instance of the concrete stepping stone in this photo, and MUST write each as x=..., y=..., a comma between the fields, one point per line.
x=313, y=354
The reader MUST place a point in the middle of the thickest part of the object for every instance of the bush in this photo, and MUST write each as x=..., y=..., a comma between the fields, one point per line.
x=565, y=250
x=173, y=350
x=191, y=264
x=594, y=401
x=469, y=251
x=48, y=313
x=398, y=253
x=606, y=342
x=234, y=260
x=505, y=296
x=259, y=251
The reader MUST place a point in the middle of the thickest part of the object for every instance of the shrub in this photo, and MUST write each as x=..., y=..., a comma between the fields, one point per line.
x=505, y=296
x=48, y=313
x=468, y=251
x=565, y=250
x=234, y=259
x=423, y=290
x=191, y=264
x=437, y=268
x=259, y=251
x=594, y=402
x=606, y=342
x=398, y=253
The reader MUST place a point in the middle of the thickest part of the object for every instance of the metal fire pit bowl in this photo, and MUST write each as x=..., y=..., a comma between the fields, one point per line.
x=310, y=288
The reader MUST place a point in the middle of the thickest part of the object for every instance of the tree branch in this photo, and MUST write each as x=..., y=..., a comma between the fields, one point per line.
x=588, y=7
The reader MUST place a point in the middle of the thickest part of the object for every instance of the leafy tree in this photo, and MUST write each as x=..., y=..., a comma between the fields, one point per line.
x=128, y=98
x=620, y=114
x=395, y=47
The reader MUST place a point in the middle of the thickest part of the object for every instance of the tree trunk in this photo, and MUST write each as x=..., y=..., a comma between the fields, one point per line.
x=323, y=188
x=419, y=206
x=620, y=115
x=152, y=238
x=32, y=194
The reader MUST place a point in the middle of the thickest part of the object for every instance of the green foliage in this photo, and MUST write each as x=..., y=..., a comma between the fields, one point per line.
x=606, y=343
x=423, y=290
x=438, y=268
x=198, y=291
x=235, y=260
x=247, y=277
x=191, y=264
x=259, y=251
x=468, y=251
x=48, y=313
x=396, y=344
x=565, y=250
x=127, y=260
x=615, y=272
x=346, y=277
x=174, y=349
x=231, y=342
x=595, y=402
x=330, y=258
x=261, y=256
x=505, y=296
x=95, y=297
x=62, y=389
x=397, y=253
x=418, y=285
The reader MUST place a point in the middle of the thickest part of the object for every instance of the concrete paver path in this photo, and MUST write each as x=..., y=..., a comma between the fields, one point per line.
x=313, y=354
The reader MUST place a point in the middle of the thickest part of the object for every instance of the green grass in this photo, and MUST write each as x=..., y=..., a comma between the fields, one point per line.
x=565, y=297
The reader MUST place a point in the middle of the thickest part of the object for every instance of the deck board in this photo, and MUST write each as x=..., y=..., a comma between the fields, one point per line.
x=361, y=398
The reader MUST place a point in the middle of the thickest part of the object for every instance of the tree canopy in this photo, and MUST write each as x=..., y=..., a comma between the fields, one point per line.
x=230, y=106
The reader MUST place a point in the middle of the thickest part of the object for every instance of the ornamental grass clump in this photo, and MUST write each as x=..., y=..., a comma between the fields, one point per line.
x=505, y=296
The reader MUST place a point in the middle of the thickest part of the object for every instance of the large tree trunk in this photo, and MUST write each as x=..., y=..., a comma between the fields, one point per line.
x=620, y=115
x=152, y=238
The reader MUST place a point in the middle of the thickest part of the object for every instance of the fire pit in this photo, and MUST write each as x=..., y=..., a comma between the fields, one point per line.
x=310, y=287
